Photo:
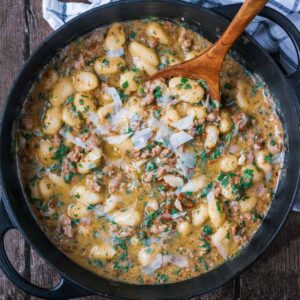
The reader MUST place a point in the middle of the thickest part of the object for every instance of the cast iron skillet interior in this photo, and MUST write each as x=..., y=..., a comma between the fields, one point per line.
x=209, y=24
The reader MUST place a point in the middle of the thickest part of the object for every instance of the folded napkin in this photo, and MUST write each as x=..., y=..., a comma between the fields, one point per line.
x=269, y=35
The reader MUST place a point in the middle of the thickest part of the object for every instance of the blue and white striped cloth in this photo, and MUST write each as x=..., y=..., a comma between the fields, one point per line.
x=270, y=36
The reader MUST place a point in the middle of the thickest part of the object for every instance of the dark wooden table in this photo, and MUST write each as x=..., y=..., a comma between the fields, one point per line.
x=276, y=275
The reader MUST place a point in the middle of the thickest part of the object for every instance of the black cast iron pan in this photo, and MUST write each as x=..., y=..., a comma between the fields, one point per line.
x=15, y=211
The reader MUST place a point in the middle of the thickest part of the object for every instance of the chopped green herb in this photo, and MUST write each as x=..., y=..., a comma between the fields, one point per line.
x=199, y=129
x=205, y=245
x=125, y=85
x=151, y=166
x=68, y=177
x=158, y=92
x=105, y=62
x=228, y=86
x=61, y=152
x=70, y=100
x=268, y=158
x=206, y=190
x=132, y=35
x=150, y=217
x=156, y=113
x=207, y=230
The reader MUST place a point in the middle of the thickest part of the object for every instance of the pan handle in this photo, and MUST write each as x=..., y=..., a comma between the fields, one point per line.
x=228, y=11
x=63, y=290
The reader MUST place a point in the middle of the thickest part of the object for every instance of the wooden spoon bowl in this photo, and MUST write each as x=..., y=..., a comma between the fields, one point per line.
x=207, y=66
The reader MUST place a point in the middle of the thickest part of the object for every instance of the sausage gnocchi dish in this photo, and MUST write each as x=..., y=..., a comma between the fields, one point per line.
x=147, y=182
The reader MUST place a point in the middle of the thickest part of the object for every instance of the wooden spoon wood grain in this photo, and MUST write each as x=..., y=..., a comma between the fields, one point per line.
x=207, y=66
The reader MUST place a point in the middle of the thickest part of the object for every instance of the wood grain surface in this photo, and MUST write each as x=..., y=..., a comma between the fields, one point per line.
x=276, y=275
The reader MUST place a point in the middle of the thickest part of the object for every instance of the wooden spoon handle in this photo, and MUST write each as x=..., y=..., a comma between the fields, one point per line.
x=246, y=13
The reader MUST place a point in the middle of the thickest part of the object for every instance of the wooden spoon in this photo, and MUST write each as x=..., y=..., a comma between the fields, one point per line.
x=207, y=66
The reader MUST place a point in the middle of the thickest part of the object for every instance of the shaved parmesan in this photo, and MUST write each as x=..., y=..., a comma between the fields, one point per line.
x=179, y=138
x=115, y=53
x=115, y=96
x=140, y=138
x=117, y=139
x=184, y=123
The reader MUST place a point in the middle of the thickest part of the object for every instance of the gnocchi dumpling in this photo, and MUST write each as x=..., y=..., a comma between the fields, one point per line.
x=104, y=251
x=109, y=65
x=186, y=90
x=83, y=195
x=61, y=91
x=147, y=254
x=184, y=228
x=156, y=30
x=46, y=188
x=85, y=81
x=115, y=38
x=228, y=163
x=225, y=123
x=246, y=205
x=223, y=241
x=90, y=161
x=78, y=210
x=211, y=136
x=216, y=211
x=53, y=121
x=84, y=103
x=129, y=217
x=144, y=53
x=70, y=117
x=128, y=82
x=200, y=214
x=45, y=152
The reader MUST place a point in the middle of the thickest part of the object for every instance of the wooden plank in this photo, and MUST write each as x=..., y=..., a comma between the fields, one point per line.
x=276, y=275
x=12, y=54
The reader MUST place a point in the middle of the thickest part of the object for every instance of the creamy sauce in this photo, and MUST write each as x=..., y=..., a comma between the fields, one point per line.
x=147, y=183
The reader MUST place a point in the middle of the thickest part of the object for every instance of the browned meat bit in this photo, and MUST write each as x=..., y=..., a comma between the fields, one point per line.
x=92, y=141
x=165, y=153
x=94, y=184
x=186, y=39
x=68, y=167
x=109, y=170
x=95, y=38
x=126, y=231
x=146, y=154
x=149, y=88
x=148, y=99
x=217, y=190
x=75, y=155
x=240, y=120
x=150, y=40
x=163, y=170
x=158, y=228
x=56, y=141
x=79, y=63
x=115, y=183
x=148, y=177
x=213, y=117
x=65, y=225
x=156, y=150
x=27, y=123
x=250, y=155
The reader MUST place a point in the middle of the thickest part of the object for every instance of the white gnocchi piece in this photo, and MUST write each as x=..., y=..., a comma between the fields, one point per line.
x=109, y=65
x=112, y=203
x=195, y=184
x=228, y=163
x=147, y=255
x=184, y=228
x=246, y=205
x=58, y=181
x=70, y=117
x=61, y=91
x=216, y=211
x=241, y=96
x=53, y=121
x=115, y=38
x=257, y=175
x=78, y=210
x=90, y=161
x=84, y=81
x=127, y=81
x=198, y=112
x=173, y=181
x=225, y=123
x=168, y=59
x=145, y=66
x=212, y=136
x=104, y=251
x=157, y=31
x=200, y=214
x=84, y=103
x=46, y=188
x=83, y=195
x=171, y=115
x=45, y=152
x=223, y=241
x=127, y=218
x=105, y=111
x=187, y=90
x=262, y=161
x=144, y=53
